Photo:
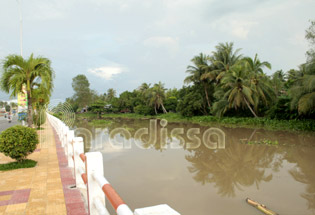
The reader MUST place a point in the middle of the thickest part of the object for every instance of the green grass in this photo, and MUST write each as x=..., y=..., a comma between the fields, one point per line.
x=245, y=122
x=18, y=165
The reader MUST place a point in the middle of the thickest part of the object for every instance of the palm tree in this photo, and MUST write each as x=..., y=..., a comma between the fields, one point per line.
x=198, y=74
x=19, y=71
x=259, y=82
x=224, y=58
x=111, y=93
x=256, y=66
x=278, y=81
x=303, y=90
x=235, y=91
x=157, y=97
x=143, y=89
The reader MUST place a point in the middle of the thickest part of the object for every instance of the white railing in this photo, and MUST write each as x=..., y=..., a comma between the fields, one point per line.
x=89, y=175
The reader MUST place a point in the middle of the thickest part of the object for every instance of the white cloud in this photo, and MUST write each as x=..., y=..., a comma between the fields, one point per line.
x=106, y=72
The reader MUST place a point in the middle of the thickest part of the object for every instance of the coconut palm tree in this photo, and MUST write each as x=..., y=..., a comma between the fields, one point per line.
x=278, y=81
x=235, y=91
x=111, y=93
x=19, y=71
x=259, y=82
x=255, y=65
x=224, y=58
x=157, y=95
x=198, y=74
x=303, y=90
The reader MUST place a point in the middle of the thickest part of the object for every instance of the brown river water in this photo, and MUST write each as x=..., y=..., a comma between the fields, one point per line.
x=204, y=170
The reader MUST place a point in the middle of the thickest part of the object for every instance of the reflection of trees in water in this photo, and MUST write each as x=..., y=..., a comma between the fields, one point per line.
x=304, y=172
x=236, y=166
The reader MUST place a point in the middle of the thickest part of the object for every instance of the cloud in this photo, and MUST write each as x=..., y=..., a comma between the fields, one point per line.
x=106, y=72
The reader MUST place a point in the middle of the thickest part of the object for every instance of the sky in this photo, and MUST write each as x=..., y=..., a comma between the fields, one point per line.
x=122, y=43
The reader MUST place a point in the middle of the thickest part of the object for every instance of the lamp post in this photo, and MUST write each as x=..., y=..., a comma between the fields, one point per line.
x=21, y=45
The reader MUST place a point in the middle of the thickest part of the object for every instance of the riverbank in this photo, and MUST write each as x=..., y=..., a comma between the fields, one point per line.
x=265, y=123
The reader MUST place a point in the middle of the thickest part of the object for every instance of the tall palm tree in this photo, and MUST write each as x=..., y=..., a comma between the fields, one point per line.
x=235, y=91
x=255, y=65
x=278, y=81
x=111, y=93
x=198, y=73
x=157, y=97
x=224, y=58
x=19, y=71
x=259, y=82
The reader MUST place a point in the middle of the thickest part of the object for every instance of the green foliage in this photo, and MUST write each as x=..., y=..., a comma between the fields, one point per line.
x=81, y=87
x=171, y=104
x=18, y=165
x=35, y=74
x=18, y=142
x=191, y=102
x=97, y=107
x=281, y=109
x=226, y=83
x=39, y=118
x=144, y=110
x=302, y=91
x=7, y=108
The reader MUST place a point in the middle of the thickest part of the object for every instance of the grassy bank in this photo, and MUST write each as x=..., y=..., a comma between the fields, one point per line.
x=18, y=165
x=270, y=124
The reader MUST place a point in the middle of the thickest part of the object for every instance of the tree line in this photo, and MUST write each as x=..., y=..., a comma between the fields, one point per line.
x=222, y=83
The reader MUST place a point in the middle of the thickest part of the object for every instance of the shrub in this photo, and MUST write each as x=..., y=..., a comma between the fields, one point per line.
x=18, y=142
x=142, y=109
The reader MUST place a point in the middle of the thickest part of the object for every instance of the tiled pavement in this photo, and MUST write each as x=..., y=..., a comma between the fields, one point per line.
x=43, y=189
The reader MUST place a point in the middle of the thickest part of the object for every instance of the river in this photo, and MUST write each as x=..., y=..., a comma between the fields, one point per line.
x=204, y=170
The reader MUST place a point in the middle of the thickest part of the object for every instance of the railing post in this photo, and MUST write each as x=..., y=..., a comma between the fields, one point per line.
x=65, y=139
x=78, y=148
x=70, y=148
x=94, y=164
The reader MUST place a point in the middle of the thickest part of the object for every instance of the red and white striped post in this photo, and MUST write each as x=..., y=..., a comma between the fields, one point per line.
x=94, y=163
x=99, y=187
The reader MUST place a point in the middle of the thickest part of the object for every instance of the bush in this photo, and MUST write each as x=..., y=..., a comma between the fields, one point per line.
x=145, y=110
x=18, y=142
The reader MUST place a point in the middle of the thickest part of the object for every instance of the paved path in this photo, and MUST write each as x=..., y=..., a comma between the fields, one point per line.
x=43, y=189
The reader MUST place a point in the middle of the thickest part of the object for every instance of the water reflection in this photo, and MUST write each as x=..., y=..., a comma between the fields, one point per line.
x=239, y=168
x=304, y=172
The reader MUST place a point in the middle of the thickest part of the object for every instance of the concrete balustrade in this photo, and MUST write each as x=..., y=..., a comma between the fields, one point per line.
x=89, y=175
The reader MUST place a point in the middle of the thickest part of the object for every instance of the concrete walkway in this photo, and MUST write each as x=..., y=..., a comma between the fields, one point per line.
x=43, y=189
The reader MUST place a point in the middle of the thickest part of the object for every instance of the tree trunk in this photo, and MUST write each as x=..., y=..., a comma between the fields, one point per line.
x=207, y=97
x=164, y=110
x=29, y=110
x=155, y=109
x=253, y=112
